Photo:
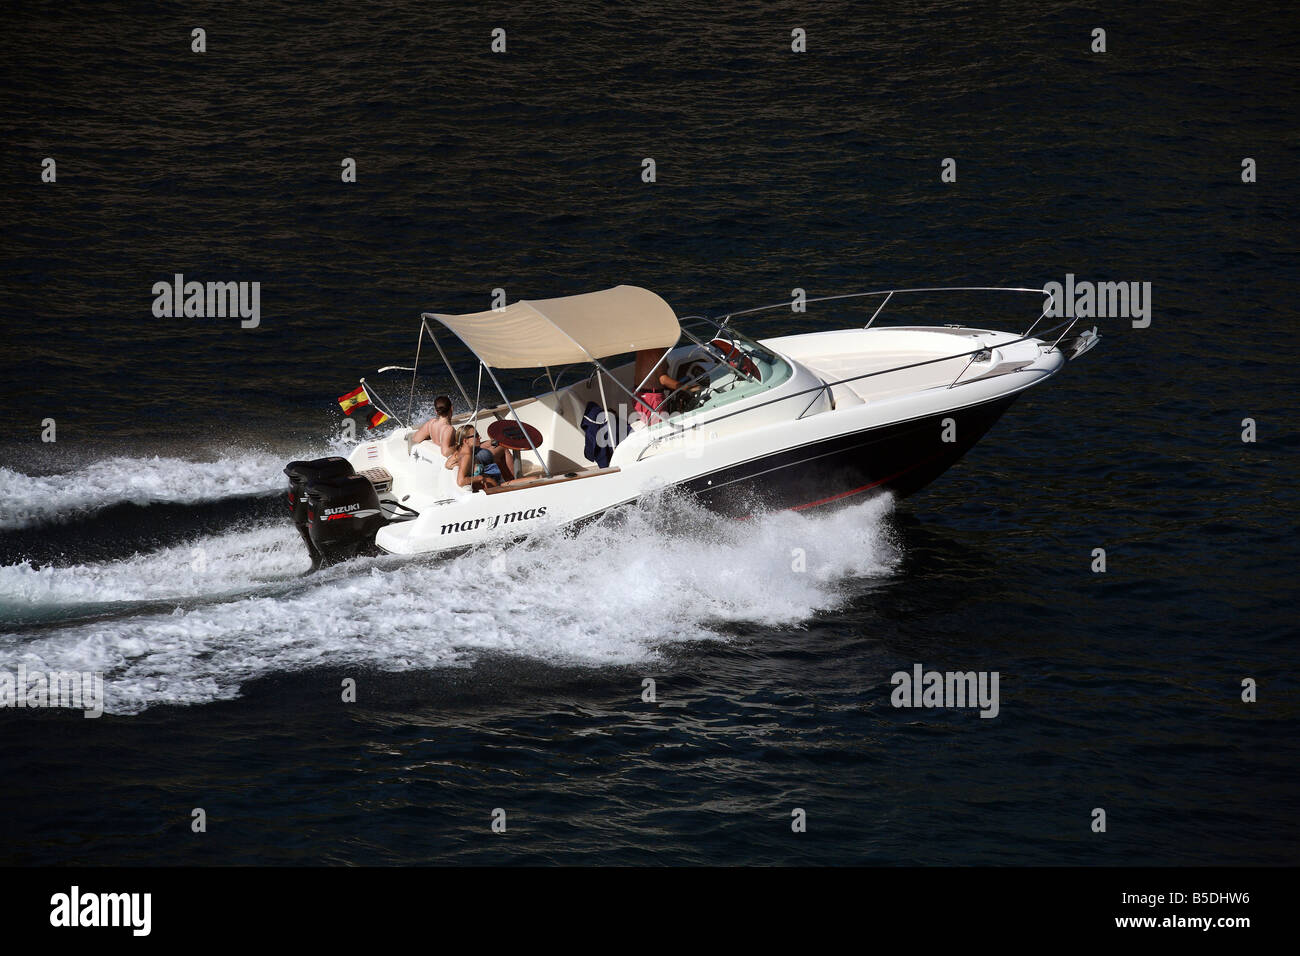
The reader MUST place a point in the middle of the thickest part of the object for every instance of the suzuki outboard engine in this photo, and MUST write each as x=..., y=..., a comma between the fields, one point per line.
x=336, y=511
x=343, y=515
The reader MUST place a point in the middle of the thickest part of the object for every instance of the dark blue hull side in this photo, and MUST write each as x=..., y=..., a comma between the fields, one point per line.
x=901, y=458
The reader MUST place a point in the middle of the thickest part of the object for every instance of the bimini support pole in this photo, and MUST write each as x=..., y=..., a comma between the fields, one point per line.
x=604, y=402
x=410, y=404
x=522, y=427
x=424, y=321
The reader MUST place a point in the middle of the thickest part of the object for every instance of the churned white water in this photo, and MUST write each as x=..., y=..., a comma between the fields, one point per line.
x=208, y=566
x=614, y=592
x=27, y=500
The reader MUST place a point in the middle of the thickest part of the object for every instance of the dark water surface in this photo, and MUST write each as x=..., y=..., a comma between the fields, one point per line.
x=149, y=541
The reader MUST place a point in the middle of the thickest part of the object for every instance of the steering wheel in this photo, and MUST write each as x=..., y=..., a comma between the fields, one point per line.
x=695, y=373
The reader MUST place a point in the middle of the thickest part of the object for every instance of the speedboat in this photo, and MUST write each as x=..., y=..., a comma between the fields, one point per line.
x=799, y=421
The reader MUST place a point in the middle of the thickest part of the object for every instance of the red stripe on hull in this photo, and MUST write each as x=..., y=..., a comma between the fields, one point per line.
x=858, y=491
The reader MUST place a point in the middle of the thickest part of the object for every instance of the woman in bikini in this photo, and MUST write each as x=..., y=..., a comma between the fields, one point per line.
x=475, y=466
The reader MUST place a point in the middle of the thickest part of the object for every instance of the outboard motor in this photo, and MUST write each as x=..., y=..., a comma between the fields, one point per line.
x=302, y=473
x=343, y=514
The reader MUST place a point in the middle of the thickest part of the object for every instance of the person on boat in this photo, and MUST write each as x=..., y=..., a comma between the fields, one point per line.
x=442, y=433
x=490, y=458
x=438, y=429
x=475, y=466
x=653, y=383
x=651, y=396
x=492, y=452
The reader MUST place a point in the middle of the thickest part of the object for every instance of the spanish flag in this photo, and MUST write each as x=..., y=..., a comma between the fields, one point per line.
x=354, y=399
x=377, y=419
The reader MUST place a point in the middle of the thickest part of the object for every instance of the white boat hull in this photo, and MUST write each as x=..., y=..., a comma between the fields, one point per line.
x=803, y=443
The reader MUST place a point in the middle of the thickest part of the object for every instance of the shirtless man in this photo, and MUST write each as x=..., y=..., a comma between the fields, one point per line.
x=439, y=429
x=653, y=383
x=648, y=363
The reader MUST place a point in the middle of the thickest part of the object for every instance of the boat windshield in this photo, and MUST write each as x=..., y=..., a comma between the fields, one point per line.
x=731, y=366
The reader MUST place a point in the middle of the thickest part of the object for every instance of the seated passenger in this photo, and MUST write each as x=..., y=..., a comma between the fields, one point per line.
x=466, y=458
x=652, y=394
x=492, y=452
x=653, y=383
x=438, y=429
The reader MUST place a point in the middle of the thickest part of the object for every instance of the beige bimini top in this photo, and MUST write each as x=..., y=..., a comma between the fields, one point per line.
x=573, y=328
